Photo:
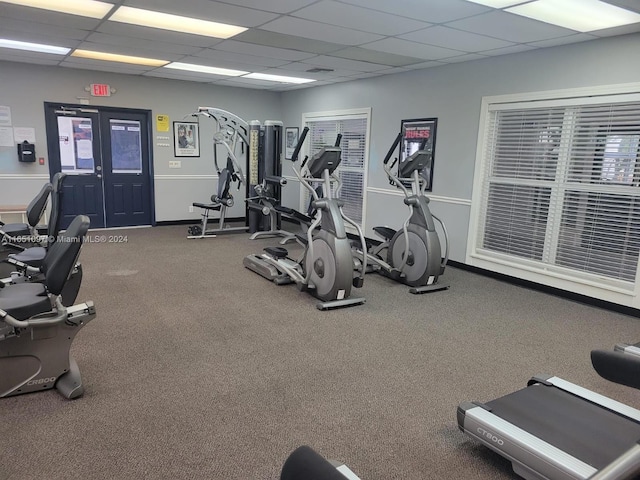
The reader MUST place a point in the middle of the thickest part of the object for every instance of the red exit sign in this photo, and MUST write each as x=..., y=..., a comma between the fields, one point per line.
x=100, y=90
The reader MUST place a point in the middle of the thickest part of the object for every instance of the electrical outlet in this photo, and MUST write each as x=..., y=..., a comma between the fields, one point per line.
x=190, y=208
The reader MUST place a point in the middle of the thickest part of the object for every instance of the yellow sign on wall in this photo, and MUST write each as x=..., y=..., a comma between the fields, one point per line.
x=162, y=123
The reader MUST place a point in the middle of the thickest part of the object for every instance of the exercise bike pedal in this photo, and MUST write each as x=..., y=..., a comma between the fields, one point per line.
x=358, y=282
x=277, y=252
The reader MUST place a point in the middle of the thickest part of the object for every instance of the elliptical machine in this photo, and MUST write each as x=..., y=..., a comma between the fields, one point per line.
x=413, y=253
x=326, y=267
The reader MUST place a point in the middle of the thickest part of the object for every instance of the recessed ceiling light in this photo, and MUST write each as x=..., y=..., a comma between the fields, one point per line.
x=205, y=69
x=84, y=8
x=33, y=47
x=579, y=15
x=497, y=3
x=278, y=78
x=176, y=23
x=113, y=57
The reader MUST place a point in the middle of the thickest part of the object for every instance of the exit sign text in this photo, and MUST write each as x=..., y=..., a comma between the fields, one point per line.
x=100, y=90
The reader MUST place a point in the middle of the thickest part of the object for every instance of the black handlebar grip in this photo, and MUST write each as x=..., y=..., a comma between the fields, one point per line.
x=338, y=140
x=395, y=160
x=275, y=180
x=304, y=162
x=294, y=157
x=393, y=147
x=424, y=144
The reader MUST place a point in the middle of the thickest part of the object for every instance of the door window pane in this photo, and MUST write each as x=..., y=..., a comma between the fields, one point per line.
x=126, y=146
x=76, y=145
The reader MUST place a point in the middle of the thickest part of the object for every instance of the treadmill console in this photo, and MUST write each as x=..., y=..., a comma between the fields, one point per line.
x=327, y=158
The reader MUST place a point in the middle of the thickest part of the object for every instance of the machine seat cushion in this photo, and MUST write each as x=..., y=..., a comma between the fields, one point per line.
x=16, y=229
x=31, y=256
x=277, y=252
x=23, y=307
x=385, y=232
x=26, y=289
x=208, y=206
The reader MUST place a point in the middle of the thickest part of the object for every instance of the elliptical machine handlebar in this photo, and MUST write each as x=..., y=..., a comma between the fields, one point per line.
x=392, y=149
x=338, y=140
x=294, y=157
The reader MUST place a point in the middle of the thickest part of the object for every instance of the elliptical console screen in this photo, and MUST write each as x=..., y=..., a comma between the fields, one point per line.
x=418, y=134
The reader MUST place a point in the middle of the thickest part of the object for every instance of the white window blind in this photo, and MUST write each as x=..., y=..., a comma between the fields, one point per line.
x=561, y=187
x=323, y=131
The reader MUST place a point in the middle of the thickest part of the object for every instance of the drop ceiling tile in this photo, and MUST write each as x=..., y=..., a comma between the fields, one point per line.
x=262, y=50
x=372, y=56
x=157, y=35
x=450, y=38
x=510, y=27
x=433, y=11
x=26, y=28
x=280, y=40
x=130, y=50
x=405, y=47
x=207, y=10
x=181, y=75
x=319, y=31
x=299, y=71
x=420, y=66
x=463, y=58
x=578, y=37
x=22, y=36
x=277, y=6
x=391, y=71
x=507, y=51
x=140, y=43
x=353, y=17
x=343, y=63
x=103, y=68
x=245, y=82
x=238, y=58
x=11, y=55
x=47, y=17
x=366, y=75
x=245, y=67
x=623, y=30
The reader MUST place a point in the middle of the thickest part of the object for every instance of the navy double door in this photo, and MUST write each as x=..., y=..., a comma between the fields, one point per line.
x=106, y=155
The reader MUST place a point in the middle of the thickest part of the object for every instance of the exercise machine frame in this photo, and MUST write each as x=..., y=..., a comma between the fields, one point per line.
x=413, y=252
x=326, y=268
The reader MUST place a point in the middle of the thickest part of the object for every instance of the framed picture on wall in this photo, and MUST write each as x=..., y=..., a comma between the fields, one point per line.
x=290, y=141
x=186, y=139
x=419, y=134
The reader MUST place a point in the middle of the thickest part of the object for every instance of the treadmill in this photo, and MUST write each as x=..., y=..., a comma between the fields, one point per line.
x=556, y=430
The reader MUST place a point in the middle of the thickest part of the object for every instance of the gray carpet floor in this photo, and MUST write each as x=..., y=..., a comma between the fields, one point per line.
x=198, y=368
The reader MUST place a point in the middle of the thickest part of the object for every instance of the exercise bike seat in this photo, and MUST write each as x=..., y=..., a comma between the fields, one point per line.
x=385, y=232
x=277, y=252
x=32, y=257
x=208, y=206
x=23, y=307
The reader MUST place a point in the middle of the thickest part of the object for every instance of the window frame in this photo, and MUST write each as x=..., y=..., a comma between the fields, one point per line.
x=560, y=277
x=339, y=115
